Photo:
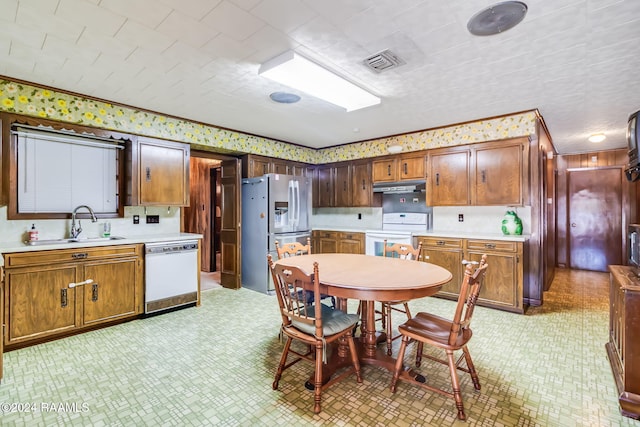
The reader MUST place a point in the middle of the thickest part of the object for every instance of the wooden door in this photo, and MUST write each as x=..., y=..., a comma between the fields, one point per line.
x=230, y=236
x=343, y=185
x=449, y=179
x=112, y=294
x=594, y=207
x=199, y=215
x=362, y=192
x=40, y=302
x=501, y=287
x=498, y=175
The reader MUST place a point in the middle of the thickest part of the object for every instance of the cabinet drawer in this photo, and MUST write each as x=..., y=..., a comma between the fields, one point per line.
x=492, y=245
x=25, y=259
x=322, y=234
x=351, y=236
x=441, y=242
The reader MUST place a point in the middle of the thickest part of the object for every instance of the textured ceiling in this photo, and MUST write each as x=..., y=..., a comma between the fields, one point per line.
x=577, y=62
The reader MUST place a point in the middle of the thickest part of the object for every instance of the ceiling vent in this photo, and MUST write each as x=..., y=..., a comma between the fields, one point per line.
x=383, y=61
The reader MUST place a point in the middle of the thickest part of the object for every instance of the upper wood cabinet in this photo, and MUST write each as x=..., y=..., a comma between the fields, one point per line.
x=254, y=165
x=499, y=172
x=344, y=185
x=399, y=168
x=485, y=174
x=448, y=178
x=159, y=172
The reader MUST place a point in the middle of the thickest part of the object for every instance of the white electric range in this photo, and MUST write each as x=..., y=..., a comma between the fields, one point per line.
x=397, y=227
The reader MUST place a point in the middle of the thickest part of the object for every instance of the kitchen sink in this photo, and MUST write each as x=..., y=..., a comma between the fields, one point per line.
x=72, y=240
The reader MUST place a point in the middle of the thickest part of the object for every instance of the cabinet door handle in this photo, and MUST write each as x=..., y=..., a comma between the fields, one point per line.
x=490, y=245
x=86, y=282
x=344, y=185
x=437, y=179
x=94, y=292
x=388, y=170
x=363, y=186
x=63, y=297
x=148, y=173
x=484, y=176
x=82, y=255
x=406, y=170
x=440, y=243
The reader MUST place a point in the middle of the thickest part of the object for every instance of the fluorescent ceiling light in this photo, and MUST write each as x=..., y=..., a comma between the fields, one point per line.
x=295, y=71
x=597, y=137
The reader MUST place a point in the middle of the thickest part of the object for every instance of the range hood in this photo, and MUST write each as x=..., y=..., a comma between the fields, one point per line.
x=399, y=187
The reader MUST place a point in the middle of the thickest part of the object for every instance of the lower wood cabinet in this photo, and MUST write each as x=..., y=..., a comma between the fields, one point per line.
x=54, y=293
x=503, y=283
x=623, y=348
x=325, y=241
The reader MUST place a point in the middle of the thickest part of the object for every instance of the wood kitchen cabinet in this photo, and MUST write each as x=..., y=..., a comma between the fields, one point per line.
x=159, y=173
x=485, y=174
x=448, y=182
x=254, y=165
x=499, y=172
x=623, y=347
x=447, y=253
x=503, y=283
x=399, y=168
x=327, y=241
x=345, y=184
x=49, y=294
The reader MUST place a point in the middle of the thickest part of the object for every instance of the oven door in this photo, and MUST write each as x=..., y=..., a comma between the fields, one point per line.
x=374, y=240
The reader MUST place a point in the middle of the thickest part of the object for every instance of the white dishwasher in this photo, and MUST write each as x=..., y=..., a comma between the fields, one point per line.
x=171, y=275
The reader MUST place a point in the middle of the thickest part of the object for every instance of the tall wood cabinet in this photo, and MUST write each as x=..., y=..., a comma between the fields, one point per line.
x=159, y=173
x=54, y=293
x=623, y=348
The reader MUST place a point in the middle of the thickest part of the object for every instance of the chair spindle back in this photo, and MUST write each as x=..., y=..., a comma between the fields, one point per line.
x=469, y=291
x=402, y=250
x=293, y=249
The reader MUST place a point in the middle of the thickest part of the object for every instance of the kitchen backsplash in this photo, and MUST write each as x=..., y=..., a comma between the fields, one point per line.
x=332, y=218
x=478, y=219
x=16, y=230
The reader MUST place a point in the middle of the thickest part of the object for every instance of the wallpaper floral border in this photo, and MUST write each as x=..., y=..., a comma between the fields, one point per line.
x=35, y=101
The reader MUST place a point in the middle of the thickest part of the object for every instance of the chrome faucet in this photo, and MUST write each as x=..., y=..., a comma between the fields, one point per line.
x=76, y=230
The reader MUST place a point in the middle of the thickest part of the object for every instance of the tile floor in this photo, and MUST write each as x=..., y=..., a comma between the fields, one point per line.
x=214, y=365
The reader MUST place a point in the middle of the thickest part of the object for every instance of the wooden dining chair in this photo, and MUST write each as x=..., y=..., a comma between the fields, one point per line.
x=404, y=251
x=297, y=248
x=316, y=325
x=448, y=335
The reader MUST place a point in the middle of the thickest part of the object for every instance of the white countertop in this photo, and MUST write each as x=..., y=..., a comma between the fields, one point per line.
x=439, y=233
x=10, y=247
x=471, y=235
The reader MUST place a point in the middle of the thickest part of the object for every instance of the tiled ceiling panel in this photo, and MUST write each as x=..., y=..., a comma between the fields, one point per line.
x=575, y=61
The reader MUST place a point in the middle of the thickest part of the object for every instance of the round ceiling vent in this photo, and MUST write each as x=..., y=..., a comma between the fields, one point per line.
x=284, y=97
x=497, y=18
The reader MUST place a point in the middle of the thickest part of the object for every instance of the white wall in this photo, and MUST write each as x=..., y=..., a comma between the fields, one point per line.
x=478, y=219
x=15, y=230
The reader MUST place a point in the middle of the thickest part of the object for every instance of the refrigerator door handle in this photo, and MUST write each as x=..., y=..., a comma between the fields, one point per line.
x=291, y=200
x=296, y=187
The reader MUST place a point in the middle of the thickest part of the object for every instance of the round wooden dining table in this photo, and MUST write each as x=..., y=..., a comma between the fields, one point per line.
x=369, y=279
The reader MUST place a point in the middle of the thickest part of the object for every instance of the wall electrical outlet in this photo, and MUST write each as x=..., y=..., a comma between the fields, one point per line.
x=136, y=219
x=460, y=217
x=153, y=219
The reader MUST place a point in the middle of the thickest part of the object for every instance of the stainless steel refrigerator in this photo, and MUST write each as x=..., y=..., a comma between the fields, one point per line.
x=274, y=207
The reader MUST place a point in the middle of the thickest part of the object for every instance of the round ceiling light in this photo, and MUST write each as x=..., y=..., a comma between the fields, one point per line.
x=284, y=97
x=497, y=18
x=597, y=137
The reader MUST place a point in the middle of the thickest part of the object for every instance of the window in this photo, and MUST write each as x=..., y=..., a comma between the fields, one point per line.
x=57, y=171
